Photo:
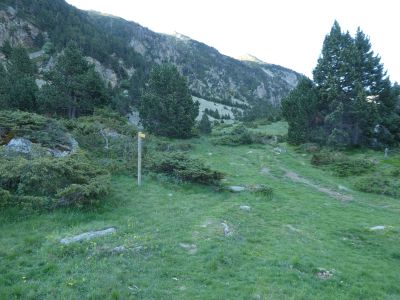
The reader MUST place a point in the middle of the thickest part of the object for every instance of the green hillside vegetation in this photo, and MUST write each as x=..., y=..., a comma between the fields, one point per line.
x=114, y=41
x=312, y=239
x=259, y=209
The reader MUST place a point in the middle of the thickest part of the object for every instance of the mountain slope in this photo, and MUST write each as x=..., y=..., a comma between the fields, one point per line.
x=125, y=49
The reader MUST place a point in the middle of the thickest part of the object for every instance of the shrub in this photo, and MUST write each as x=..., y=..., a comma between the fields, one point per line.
x=108, y=137
x=5, y=198
x=266, y=138
x=378, y=184
x=340, y=164
x=309, y=147
x=169, y=147
x=38, y=129
x=349, y=167
x=51, y=182
x=323, y=158
x=263, y=190
x=180, y=166
x=240, y=135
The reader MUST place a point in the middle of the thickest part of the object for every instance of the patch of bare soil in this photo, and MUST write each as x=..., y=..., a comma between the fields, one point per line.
x=336, y=195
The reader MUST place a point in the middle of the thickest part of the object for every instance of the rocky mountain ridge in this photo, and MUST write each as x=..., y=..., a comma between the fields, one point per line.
x=130, y=49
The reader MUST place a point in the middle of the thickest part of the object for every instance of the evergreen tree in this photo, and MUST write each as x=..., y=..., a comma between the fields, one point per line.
x=354, y=94
x=20, y=79
x=167, y=107
x=300, y=110
x=205, y=124
x=74, y=86
x=6, y=49
x=4, y=88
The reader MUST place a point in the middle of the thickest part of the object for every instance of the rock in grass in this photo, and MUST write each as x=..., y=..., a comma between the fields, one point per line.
x=324, y=274
x=190, y=248
x=236, y=188
x=19, y=145
x=379, y=227
x=118, y=250
x=245, y=207
x=87, y=236
x=227, y=230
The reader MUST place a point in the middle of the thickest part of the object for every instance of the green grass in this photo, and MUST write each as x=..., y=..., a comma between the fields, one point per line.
x=274, y=252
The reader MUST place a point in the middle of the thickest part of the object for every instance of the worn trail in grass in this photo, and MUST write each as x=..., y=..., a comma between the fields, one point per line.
x=276, y=250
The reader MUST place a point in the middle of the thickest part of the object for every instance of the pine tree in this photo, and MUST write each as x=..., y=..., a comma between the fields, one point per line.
x=7, y=49
x=4, y=88
x=74, y=86
x=205, y=124
x=354, y=93
x=167, y=107
x=21, y=80
x=300, y=110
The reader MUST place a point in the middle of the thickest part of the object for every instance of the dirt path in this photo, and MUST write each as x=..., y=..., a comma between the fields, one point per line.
x=336, y=195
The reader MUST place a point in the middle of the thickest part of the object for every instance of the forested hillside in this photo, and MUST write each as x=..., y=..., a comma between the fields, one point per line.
x=125, y=53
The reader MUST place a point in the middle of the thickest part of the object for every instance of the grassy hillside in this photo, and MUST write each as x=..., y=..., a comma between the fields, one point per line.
x=312, y=240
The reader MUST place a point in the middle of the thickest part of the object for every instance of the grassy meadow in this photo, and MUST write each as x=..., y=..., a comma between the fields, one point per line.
x=311, y=240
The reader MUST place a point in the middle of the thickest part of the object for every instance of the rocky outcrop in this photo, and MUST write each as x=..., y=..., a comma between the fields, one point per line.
x=107, y=74
x=211, y=75
x=19, y=146
x=16, y=30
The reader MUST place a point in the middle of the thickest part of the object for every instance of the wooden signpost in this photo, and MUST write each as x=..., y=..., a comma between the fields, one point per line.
x=141, y=136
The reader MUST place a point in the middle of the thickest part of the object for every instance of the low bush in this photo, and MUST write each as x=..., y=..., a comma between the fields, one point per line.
x=266, y=138
x=170, y=147
x=350, y=167
x=240, y=135
x=309, y=148
x=109, y=139
x=47, y=132
x=341, y=164
x=324, y=158
x=262, y=190
x=48, y=182
x=378, y=184
x=180, y=166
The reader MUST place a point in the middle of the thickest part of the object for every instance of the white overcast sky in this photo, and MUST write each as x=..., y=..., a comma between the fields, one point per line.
x=285, y=32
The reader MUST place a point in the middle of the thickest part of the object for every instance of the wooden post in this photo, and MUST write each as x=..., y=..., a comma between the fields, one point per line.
x=139, y=164
x=141, y=136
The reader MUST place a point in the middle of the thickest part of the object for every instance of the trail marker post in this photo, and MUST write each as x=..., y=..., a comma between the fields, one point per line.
x=141, y=136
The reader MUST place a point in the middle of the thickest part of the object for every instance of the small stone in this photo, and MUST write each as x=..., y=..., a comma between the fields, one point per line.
x=343, y=188
x=118, y=250
x=264, y=170
x=379, y=227
x=190, y=248
x=170, y=195
x=250, y=152
x=87, y=236
x=292, y=228
x=324, y=274
x=209, y=154
x=227, y=230
x=245, y=207
x=236, y=188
